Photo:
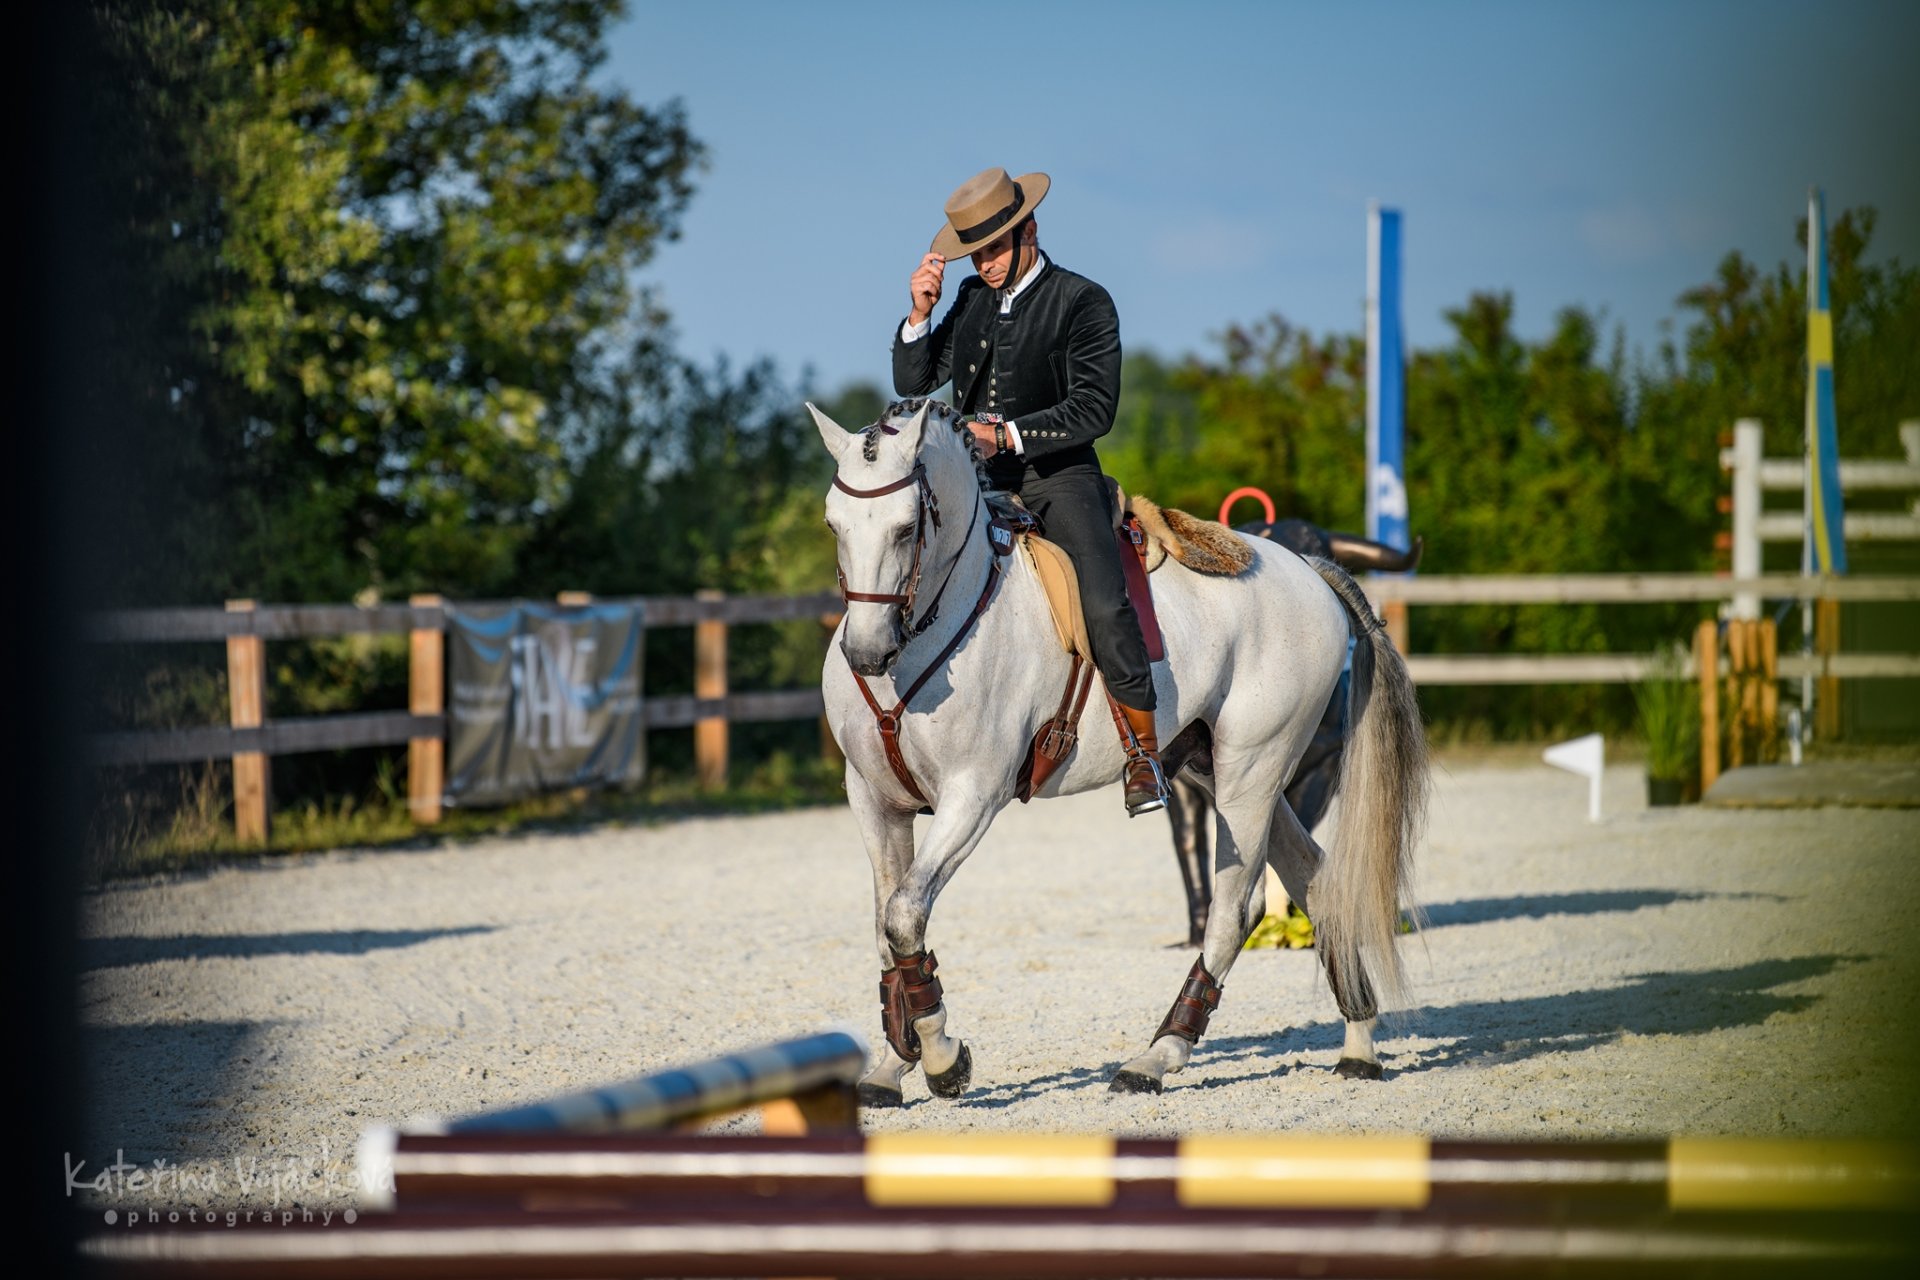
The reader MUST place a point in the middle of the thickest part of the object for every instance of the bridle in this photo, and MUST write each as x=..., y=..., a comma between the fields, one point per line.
x=929, y=515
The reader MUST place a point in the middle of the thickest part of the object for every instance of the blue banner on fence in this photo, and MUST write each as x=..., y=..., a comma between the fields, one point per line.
x=1826, y=521
x=543, y=697
x=1386, y=383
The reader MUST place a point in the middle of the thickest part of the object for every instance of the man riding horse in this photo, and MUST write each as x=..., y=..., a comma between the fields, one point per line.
x=1033, y=351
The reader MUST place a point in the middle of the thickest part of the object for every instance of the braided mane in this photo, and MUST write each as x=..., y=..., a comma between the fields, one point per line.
x=903, y=410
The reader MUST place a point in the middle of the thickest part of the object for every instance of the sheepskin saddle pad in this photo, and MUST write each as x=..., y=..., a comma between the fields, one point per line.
x=1204, y=546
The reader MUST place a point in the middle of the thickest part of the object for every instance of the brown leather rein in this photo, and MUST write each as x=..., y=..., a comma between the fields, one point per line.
x=889, y=721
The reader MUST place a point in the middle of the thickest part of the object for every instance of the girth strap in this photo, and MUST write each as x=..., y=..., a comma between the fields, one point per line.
x=1199, y=997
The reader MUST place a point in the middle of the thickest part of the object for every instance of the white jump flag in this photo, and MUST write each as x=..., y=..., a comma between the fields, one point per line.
x=1587, y=757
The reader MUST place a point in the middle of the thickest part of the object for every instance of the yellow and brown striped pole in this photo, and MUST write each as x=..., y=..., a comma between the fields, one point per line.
x=1199, y=1172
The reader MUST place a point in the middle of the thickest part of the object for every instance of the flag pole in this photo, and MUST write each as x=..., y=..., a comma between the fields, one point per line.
x=1812, y=474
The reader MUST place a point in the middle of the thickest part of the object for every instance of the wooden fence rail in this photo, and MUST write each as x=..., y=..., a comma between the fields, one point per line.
x=251, y=739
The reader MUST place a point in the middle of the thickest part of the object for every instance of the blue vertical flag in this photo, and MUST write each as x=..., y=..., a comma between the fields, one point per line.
x=1826, y=522
x=1386, y=382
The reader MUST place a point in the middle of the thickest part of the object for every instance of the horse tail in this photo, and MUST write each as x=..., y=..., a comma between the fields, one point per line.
x=1366, y=879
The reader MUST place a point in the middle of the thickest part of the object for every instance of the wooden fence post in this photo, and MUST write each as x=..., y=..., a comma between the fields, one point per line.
x=247, y=709
x=1826, y=696
x=426, y=696
x=1394, y=614
x=1706, y=659
x=1743, y=698
x=1769, y=658
x=710, y=682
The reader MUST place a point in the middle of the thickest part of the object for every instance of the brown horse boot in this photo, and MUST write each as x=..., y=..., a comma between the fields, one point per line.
x=1146, y=785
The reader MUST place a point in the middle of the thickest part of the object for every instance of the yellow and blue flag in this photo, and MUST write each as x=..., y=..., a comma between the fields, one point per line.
x=1826, y=521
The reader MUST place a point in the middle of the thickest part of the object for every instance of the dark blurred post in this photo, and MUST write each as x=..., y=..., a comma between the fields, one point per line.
x=63, y=533
x=829, y=746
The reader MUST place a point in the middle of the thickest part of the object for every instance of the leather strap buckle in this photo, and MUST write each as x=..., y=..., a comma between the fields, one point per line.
x=1057, y=740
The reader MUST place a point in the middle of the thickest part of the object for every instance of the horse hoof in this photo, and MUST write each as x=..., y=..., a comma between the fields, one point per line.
x=1356, y=1069
x=879, y=1096
x=953, y=1082
x=1133, y=1082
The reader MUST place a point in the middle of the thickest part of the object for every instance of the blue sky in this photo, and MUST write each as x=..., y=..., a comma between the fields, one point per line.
x=1212, y=163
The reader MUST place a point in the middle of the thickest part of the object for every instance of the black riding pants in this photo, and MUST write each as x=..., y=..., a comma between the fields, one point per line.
x=1075, y=508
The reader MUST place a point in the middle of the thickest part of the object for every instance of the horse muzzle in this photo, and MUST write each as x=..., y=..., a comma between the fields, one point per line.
x=871, y=658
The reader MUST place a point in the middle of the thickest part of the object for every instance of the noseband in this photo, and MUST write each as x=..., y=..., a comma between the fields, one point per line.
x=929, y=514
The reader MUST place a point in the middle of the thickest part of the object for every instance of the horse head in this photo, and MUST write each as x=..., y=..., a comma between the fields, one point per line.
x=885, y=510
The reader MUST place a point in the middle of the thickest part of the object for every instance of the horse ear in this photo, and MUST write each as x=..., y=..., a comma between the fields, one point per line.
x=832, y=434
x=911, y=433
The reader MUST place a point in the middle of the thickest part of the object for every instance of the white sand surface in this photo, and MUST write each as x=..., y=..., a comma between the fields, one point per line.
x=1664, y=971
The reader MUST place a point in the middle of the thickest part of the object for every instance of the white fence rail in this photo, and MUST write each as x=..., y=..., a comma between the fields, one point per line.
x=1631, y=588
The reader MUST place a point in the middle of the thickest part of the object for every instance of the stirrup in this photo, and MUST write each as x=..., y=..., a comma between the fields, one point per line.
x=1139, y=802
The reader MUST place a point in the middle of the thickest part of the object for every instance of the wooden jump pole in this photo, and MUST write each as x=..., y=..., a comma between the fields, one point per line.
x=710, y=684
x=1706, y=655
x=426, y=696
x=928, y=1170
x=247, y=709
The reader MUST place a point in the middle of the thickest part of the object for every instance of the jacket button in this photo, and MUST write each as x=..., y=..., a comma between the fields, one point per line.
x=973, y=368
x=983, y=344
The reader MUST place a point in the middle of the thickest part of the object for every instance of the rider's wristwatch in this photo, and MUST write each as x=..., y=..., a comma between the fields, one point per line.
x=999, y=428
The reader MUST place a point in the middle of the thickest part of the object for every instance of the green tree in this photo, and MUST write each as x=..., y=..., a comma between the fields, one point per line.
x=403, y=239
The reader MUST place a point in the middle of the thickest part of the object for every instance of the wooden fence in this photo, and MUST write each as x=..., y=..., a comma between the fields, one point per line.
x=251, y=739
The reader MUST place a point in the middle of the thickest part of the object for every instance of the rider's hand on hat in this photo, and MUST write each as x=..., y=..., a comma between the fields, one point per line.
x=925, y=288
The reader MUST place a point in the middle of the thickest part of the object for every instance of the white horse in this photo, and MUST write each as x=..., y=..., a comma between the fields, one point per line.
x=946, y=665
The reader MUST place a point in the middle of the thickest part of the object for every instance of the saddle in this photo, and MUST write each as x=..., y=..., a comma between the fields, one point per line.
x=1147, y=535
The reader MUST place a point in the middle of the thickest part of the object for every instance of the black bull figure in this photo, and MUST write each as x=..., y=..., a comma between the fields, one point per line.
x=1314, y=782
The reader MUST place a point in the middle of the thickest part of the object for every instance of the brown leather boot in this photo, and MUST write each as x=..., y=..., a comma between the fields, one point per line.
x=1146, y=785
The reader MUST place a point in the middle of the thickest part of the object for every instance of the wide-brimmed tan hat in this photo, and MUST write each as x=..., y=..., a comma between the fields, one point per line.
x=984, y=206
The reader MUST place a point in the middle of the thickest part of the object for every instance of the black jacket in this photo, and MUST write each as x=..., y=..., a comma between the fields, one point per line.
x=1052, y=364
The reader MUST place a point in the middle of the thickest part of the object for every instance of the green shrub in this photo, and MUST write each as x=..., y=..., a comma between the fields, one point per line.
x=1669, y=708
